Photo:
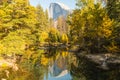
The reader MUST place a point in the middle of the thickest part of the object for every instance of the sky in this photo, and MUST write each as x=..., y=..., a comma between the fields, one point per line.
x=45, y=3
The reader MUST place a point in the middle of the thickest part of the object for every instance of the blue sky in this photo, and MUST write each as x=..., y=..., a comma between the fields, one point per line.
x=45, y=3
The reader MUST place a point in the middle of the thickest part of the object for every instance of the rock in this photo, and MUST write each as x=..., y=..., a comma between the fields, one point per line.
x=8, y=64
x=3, y=79
x=7, y=73
x=58, y=9
x=103, y=61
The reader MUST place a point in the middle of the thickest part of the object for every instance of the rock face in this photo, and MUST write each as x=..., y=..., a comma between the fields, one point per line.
x=58, y=9
x=103, y=61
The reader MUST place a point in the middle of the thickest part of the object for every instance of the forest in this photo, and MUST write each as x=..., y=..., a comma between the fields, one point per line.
x=95, y=26
x=27, y=32
x=24, y=27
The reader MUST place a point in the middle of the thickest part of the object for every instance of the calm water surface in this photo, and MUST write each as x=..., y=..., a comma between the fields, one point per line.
x=57, y=64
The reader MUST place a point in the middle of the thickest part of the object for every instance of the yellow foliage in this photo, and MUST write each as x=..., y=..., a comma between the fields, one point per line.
x=90, y=16
x=64, y=53
x=28, y=53
x=53, y=35
x=106, y=26
x=113, y=48
x=43, y=36
x=2, y=13
x=4, y=65
x=64, y=38
x=53, y=30
x=1, y=48
x=44, y=60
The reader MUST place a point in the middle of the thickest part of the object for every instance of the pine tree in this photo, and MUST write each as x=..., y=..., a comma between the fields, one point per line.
x=113, y=10
x=40, y=17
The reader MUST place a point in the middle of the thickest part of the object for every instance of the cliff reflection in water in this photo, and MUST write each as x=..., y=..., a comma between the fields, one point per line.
x=57, y=64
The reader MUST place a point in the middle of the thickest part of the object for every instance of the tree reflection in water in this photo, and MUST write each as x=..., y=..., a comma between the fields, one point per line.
x=58, y=64
x=86, y=70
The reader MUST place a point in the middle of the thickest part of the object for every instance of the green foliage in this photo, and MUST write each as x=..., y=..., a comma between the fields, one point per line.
x=53, y=35
x=43, y=37
x=42, y=18
x=83, y=3
x=23, y=27
x=17, y=15
x=91, y=27
x=18, y=27
x=12, y=44
x=113, y=10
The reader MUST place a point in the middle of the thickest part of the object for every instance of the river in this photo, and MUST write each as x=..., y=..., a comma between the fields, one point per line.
x=56, y=64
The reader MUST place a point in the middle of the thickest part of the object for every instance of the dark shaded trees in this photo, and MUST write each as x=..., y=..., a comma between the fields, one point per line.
x=91, y=27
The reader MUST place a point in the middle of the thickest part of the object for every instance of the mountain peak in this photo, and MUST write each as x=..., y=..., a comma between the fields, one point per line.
x=58, y=9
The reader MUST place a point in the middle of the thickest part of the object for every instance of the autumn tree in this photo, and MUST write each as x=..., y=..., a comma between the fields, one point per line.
x=113, y=10
x=64, y=39
x=62, y=25
x=42, y=17
x=53, y=35
x=18, y=19
x=91, y=27
x=46, y=16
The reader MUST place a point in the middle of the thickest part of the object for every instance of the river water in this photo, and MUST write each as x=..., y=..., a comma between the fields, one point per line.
x=56, y=64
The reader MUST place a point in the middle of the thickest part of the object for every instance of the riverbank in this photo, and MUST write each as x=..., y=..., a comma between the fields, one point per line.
x=8, y=63
x=102, y=61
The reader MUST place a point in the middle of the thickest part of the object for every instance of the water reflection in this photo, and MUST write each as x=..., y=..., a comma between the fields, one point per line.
x=86, y=70
x=50, y=64
x=57, y=64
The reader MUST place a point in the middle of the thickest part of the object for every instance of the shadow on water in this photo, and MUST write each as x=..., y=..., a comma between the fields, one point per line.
x=86, y=70
x=57, y=64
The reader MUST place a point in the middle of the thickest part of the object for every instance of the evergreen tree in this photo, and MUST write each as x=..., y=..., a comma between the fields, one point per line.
x=18, y=20
x=91, y=27
x=41, y=18
x=113, y=10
